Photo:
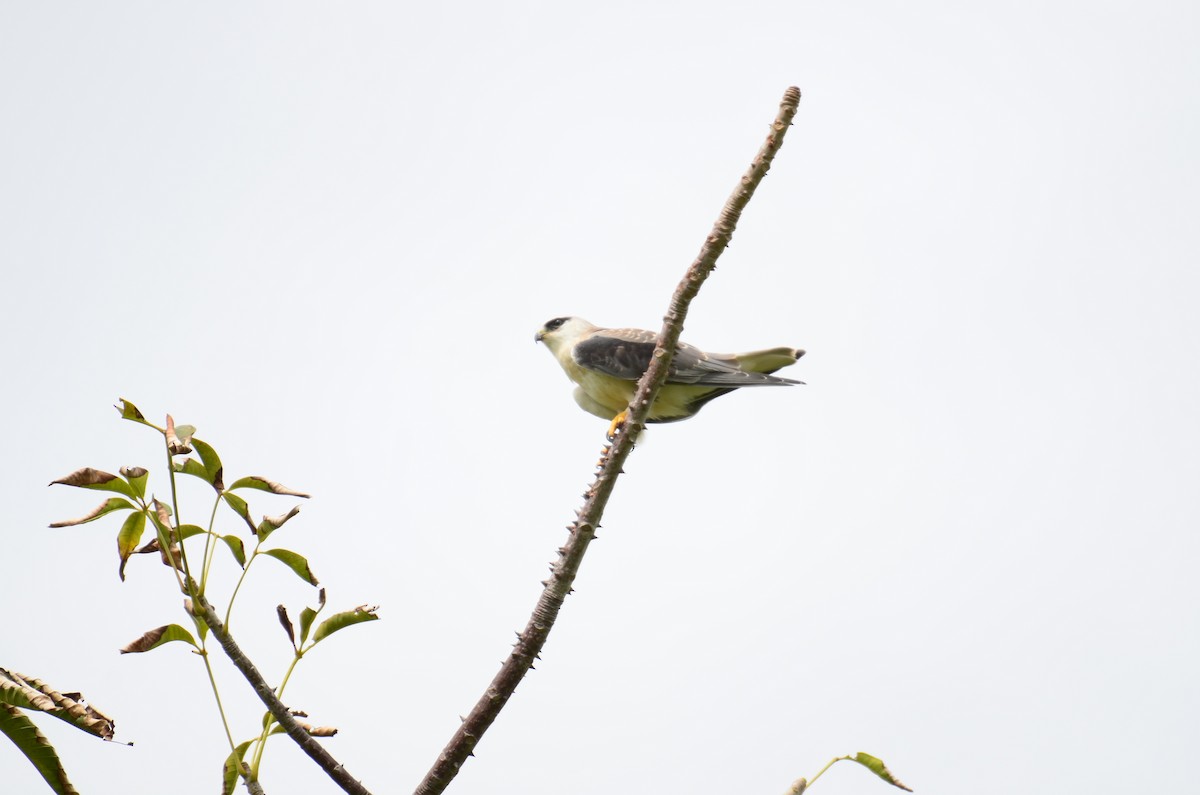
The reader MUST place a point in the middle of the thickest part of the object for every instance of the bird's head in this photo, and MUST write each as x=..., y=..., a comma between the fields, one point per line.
x=562, y=333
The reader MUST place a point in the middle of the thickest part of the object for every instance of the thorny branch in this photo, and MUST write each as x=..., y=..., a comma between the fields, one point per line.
x=583, y=529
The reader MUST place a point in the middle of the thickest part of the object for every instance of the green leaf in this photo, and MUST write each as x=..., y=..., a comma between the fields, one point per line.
x=137, y=477
x=295, y=562
x=130, y=412
x=106, y=507
x=262, y=484
x=17, y=726
x=342, y=620
x=212, y=464
x=129, y=537
x=241, y=508
x=189, y=530
x=876, y=766
x=88, y=478
x=158, y=637
x=270, y=524
x=233, y=764
x=307, y=615
x=190, y=466
x=237, y=548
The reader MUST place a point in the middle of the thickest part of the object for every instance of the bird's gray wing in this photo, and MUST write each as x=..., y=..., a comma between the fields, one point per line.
x=625, y=353
x=621, y=353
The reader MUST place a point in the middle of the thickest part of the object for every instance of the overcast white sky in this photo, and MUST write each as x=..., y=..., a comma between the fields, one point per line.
x=325, y=234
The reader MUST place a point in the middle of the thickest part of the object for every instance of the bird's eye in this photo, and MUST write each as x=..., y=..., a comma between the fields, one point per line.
x=556, y=323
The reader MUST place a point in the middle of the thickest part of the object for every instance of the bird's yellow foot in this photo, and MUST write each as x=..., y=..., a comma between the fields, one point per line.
x=618, y=423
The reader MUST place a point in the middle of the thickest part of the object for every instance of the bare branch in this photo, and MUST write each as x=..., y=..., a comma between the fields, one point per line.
x=266, y=693
x=583, y=529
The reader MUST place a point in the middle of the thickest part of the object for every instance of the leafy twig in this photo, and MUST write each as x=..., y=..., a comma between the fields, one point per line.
x=582, y=531
x=306, y=741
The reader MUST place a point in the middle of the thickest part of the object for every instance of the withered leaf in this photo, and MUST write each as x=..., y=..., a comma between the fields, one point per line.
x=317, y=731
x=157, y=637
x=174, y=445
x=88, y=478
x=263, y=484
x=286, y=623
x=270, y=524
x=137, y=477
x=163, y=512
x=32, y=693
x=106, y=507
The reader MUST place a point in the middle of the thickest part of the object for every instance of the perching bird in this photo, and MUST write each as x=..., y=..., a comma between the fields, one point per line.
x=606, y=363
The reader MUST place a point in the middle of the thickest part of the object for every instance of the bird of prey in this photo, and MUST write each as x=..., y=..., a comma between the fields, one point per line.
x=606, y=363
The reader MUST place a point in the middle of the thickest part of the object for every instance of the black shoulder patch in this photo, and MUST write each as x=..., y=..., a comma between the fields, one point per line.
x=616, y=357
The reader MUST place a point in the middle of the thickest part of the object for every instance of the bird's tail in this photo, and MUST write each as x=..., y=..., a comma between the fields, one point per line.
x=769, y=360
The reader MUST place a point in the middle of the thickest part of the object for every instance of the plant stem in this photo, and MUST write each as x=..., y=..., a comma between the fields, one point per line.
x=212, y=680
x=266, y=732
x=241, y=579
x=209, y=546
x=187, y=573
x=306, y=741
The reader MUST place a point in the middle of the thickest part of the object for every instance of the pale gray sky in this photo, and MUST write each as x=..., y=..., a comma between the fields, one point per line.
x=325, y=234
